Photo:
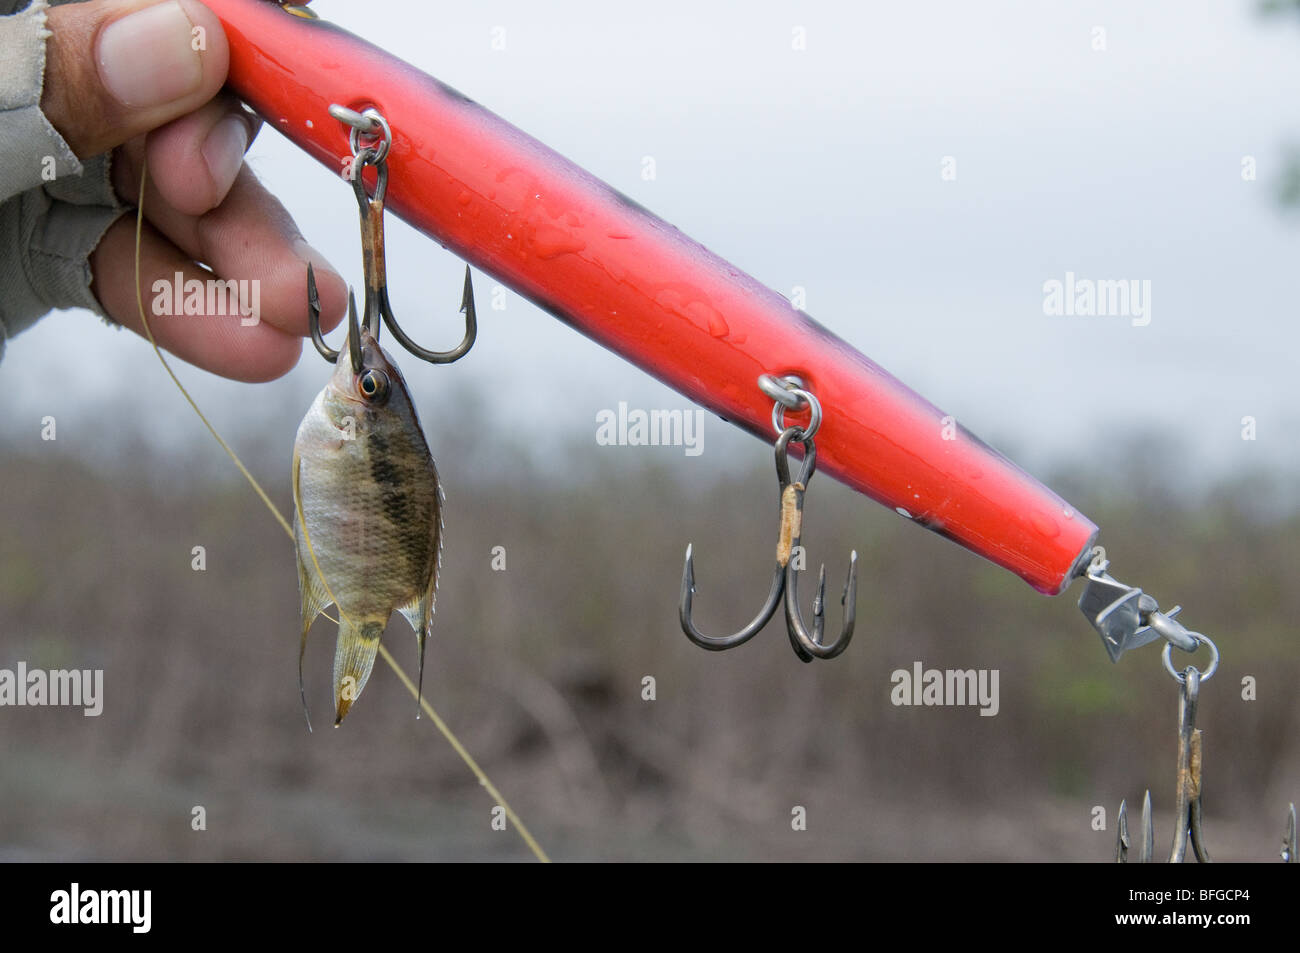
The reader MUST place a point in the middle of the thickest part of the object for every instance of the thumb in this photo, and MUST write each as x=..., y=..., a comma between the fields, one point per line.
x=118, y=68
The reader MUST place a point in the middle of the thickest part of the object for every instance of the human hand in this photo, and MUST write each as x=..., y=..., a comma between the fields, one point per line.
x=124, y=75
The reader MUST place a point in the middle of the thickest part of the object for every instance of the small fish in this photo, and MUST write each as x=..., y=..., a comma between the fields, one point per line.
x=368, y=513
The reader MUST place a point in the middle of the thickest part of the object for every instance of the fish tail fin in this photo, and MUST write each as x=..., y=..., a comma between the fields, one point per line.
x=354, y=657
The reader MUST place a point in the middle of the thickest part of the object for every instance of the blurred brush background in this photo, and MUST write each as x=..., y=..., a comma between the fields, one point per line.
x=1119, y=164
x=539, y=670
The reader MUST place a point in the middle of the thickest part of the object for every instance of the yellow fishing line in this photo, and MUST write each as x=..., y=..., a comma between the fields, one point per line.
x=459, y=748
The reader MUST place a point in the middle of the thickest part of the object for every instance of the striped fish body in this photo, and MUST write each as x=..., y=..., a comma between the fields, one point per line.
x=368, y=510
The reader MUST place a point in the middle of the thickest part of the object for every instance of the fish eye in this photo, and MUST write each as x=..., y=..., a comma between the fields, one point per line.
x=374, y=386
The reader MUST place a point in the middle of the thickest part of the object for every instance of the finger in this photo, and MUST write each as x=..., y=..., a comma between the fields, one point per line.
x=216, y=341
x=194, y=160
x=249, y=235
x=118, y=68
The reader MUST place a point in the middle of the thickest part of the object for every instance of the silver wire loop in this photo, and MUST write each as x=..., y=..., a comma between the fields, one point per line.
x=780, y=388
x=788, y=394
x=814, y=422
x=1170, y=629
x=369, y=123
x=1181, y=677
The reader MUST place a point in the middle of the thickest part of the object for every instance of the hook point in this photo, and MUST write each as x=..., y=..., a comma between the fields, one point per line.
x=354, y=333
x=467, y=296
x=688, y=570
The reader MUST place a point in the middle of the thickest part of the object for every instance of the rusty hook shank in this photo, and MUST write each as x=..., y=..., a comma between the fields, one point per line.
x=597, y=260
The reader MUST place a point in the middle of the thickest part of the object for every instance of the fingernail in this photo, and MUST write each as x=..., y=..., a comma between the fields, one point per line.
x=318, y=262
x=146, y=59
x=223, y=151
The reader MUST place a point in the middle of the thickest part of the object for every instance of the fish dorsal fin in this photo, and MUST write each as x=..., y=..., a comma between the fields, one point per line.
x=419, y=611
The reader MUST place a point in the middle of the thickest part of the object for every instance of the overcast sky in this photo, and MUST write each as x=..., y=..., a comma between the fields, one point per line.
x=822, y=168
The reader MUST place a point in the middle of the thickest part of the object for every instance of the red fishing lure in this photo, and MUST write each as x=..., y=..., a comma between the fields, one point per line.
x=597, y=260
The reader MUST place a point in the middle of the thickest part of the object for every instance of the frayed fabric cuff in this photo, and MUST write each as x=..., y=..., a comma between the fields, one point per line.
x=47, y=263
x=32, y=153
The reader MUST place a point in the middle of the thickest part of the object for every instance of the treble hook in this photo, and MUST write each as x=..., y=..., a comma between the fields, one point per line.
x=1187, y=810
x=1188, y=805
x=376, y=305
x=807, y=645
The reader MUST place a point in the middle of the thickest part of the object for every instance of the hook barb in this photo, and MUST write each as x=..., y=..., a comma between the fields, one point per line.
x=718, y=643
x=1121, y=840
x=313, y=319
x=1147, y=848
x=1146, y=834
x=436, y=357
x=811, y=642
x=313, y=322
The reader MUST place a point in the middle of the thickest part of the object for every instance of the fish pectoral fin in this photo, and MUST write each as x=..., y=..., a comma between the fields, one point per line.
x=315, y=596
x=354, y=657
x=312, y=591
x=314, y=600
